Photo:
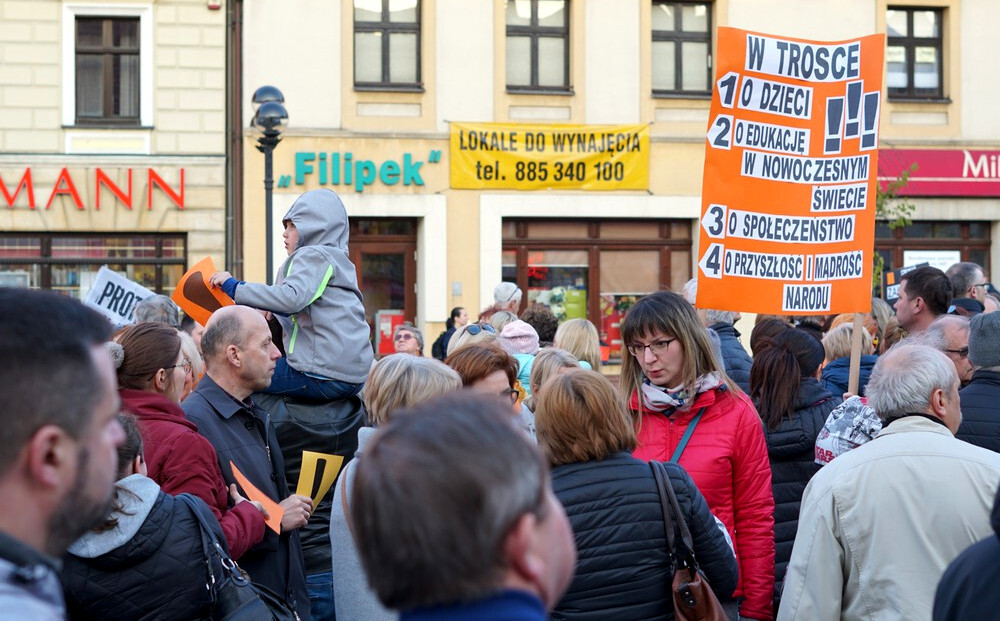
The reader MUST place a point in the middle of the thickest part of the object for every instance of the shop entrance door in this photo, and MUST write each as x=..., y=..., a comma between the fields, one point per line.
x=384, y=252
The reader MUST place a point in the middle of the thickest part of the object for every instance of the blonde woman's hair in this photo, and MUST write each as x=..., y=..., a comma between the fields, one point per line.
x=403, y=381
x=579, y=337
x=463, y=337
x=547, y=363
x=669, y=314
x=581, y=417
x=837, y=342
x=190, y=351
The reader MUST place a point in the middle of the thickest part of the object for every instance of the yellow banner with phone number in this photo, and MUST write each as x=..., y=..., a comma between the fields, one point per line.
x=515, y=156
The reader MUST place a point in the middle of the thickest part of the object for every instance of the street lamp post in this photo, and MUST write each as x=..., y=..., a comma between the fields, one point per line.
x=269, y=119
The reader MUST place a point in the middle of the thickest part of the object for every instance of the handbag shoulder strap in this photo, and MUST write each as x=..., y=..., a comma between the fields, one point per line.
x=343, y=500
x=682, y=524
x=687, y=436
x=208, y=538
x=672, y=513
x=662, y=483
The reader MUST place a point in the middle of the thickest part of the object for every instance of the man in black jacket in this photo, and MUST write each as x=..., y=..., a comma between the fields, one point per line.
x=239, y=360
x=981, y=418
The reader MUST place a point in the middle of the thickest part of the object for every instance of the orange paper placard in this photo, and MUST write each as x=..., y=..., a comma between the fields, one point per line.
x=193, y=293
x=274, y=510
x=788, y=199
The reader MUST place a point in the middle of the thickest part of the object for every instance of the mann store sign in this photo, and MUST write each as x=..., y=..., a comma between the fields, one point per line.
x=38, y=187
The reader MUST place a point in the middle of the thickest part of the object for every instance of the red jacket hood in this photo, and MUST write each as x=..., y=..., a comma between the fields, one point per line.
x=150, y=406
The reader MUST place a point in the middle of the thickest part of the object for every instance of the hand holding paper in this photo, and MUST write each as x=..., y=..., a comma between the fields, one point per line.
x=310, y=468
x=196, y=296
x=274, y=511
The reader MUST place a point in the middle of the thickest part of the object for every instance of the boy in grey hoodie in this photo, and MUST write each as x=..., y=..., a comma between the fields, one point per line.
x=317, y=302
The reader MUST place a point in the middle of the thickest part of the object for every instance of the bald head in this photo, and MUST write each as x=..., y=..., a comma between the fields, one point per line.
x=239, y=354
x=227, y=326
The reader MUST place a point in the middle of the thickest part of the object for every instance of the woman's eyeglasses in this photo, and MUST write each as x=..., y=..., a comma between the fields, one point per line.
x=476, y=328
x=657, y=347
x=403, y=336
x=186, y=364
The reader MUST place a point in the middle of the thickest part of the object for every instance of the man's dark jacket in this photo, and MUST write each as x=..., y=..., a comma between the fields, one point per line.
x=735, y=359
x=968, y=588
x=245, y=435
x=981, y=410
x=330, y=428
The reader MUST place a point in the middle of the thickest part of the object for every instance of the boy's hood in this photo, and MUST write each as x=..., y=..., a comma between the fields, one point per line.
x=320, y=218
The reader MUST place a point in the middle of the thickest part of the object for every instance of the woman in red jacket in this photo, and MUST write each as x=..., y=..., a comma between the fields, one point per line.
x=151, y=375
x=687, y=410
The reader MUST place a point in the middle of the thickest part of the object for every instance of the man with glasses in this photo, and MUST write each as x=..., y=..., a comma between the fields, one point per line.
x=968, y=281
x=949, y=334
x=981, y=423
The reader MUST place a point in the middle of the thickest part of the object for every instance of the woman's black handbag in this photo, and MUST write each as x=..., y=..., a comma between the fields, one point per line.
x=234, y=596
x=694, y=599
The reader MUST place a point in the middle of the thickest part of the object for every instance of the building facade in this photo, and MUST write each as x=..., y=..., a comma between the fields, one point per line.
x=383, y=80
x=112, y=141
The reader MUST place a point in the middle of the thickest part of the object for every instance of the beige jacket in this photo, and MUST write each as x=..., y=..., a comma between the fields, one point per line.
x=879, y=525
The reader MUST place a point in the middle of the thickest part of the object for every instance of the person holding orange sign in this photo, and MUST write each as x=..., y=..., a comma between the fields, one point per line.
x=687, y=410
x=317, y=301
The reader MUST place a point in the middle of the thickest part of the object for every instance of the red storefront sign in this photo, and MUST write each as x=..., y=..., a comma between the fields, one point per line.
x=942, y=172
x=65, y=185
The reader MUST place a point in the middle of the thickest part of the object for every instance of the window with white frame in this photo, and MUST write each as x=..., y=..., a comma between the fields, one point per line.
x=107, y=65
x=682, y=48
x=537, y=45
x=387, y=44
x=914, y=53
x=107, y=70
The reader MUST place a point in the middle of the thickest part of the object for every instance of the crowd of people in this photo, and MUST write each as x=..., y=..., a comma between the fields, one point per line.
x=503, y=477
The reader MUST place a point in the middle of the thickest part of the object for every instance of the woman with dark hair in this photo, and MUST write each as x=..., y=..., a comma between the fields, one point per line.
x=151, y=373
x=146, y=560
x=687, y=410
x=764, y=332
x=624, y=567
x=794, y=406
x=458, y=318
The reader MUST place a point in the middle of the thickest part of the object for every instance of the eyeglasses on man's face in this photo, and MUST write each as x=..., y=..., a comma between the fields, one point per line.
x=961, y=353
x=657, y=347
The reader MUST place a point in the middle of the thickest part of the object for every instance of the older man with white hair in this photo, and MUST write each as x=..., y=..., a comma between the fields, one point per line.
x=879, y=524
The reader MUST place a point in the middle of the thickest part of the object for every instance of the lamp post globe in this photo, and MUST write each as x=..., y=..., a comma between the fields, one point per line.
x=269, y=119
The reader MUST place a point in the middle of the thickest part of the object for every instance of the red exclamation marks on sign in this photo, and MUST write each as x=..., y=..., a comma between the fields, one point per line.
x=869, y=130
x=834, y=122
x=852, y=128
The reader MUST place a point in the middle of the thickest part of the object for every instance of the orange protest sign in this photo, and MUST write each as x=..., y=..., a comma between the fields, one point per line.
x=195, y=296
x=274, y=510
x=788, y=196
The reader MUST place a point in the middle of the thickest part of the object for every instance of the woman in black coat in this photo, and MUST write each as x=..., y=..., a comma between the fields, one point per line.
x=146, y=561
x=794, y=406
x=611, y=499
